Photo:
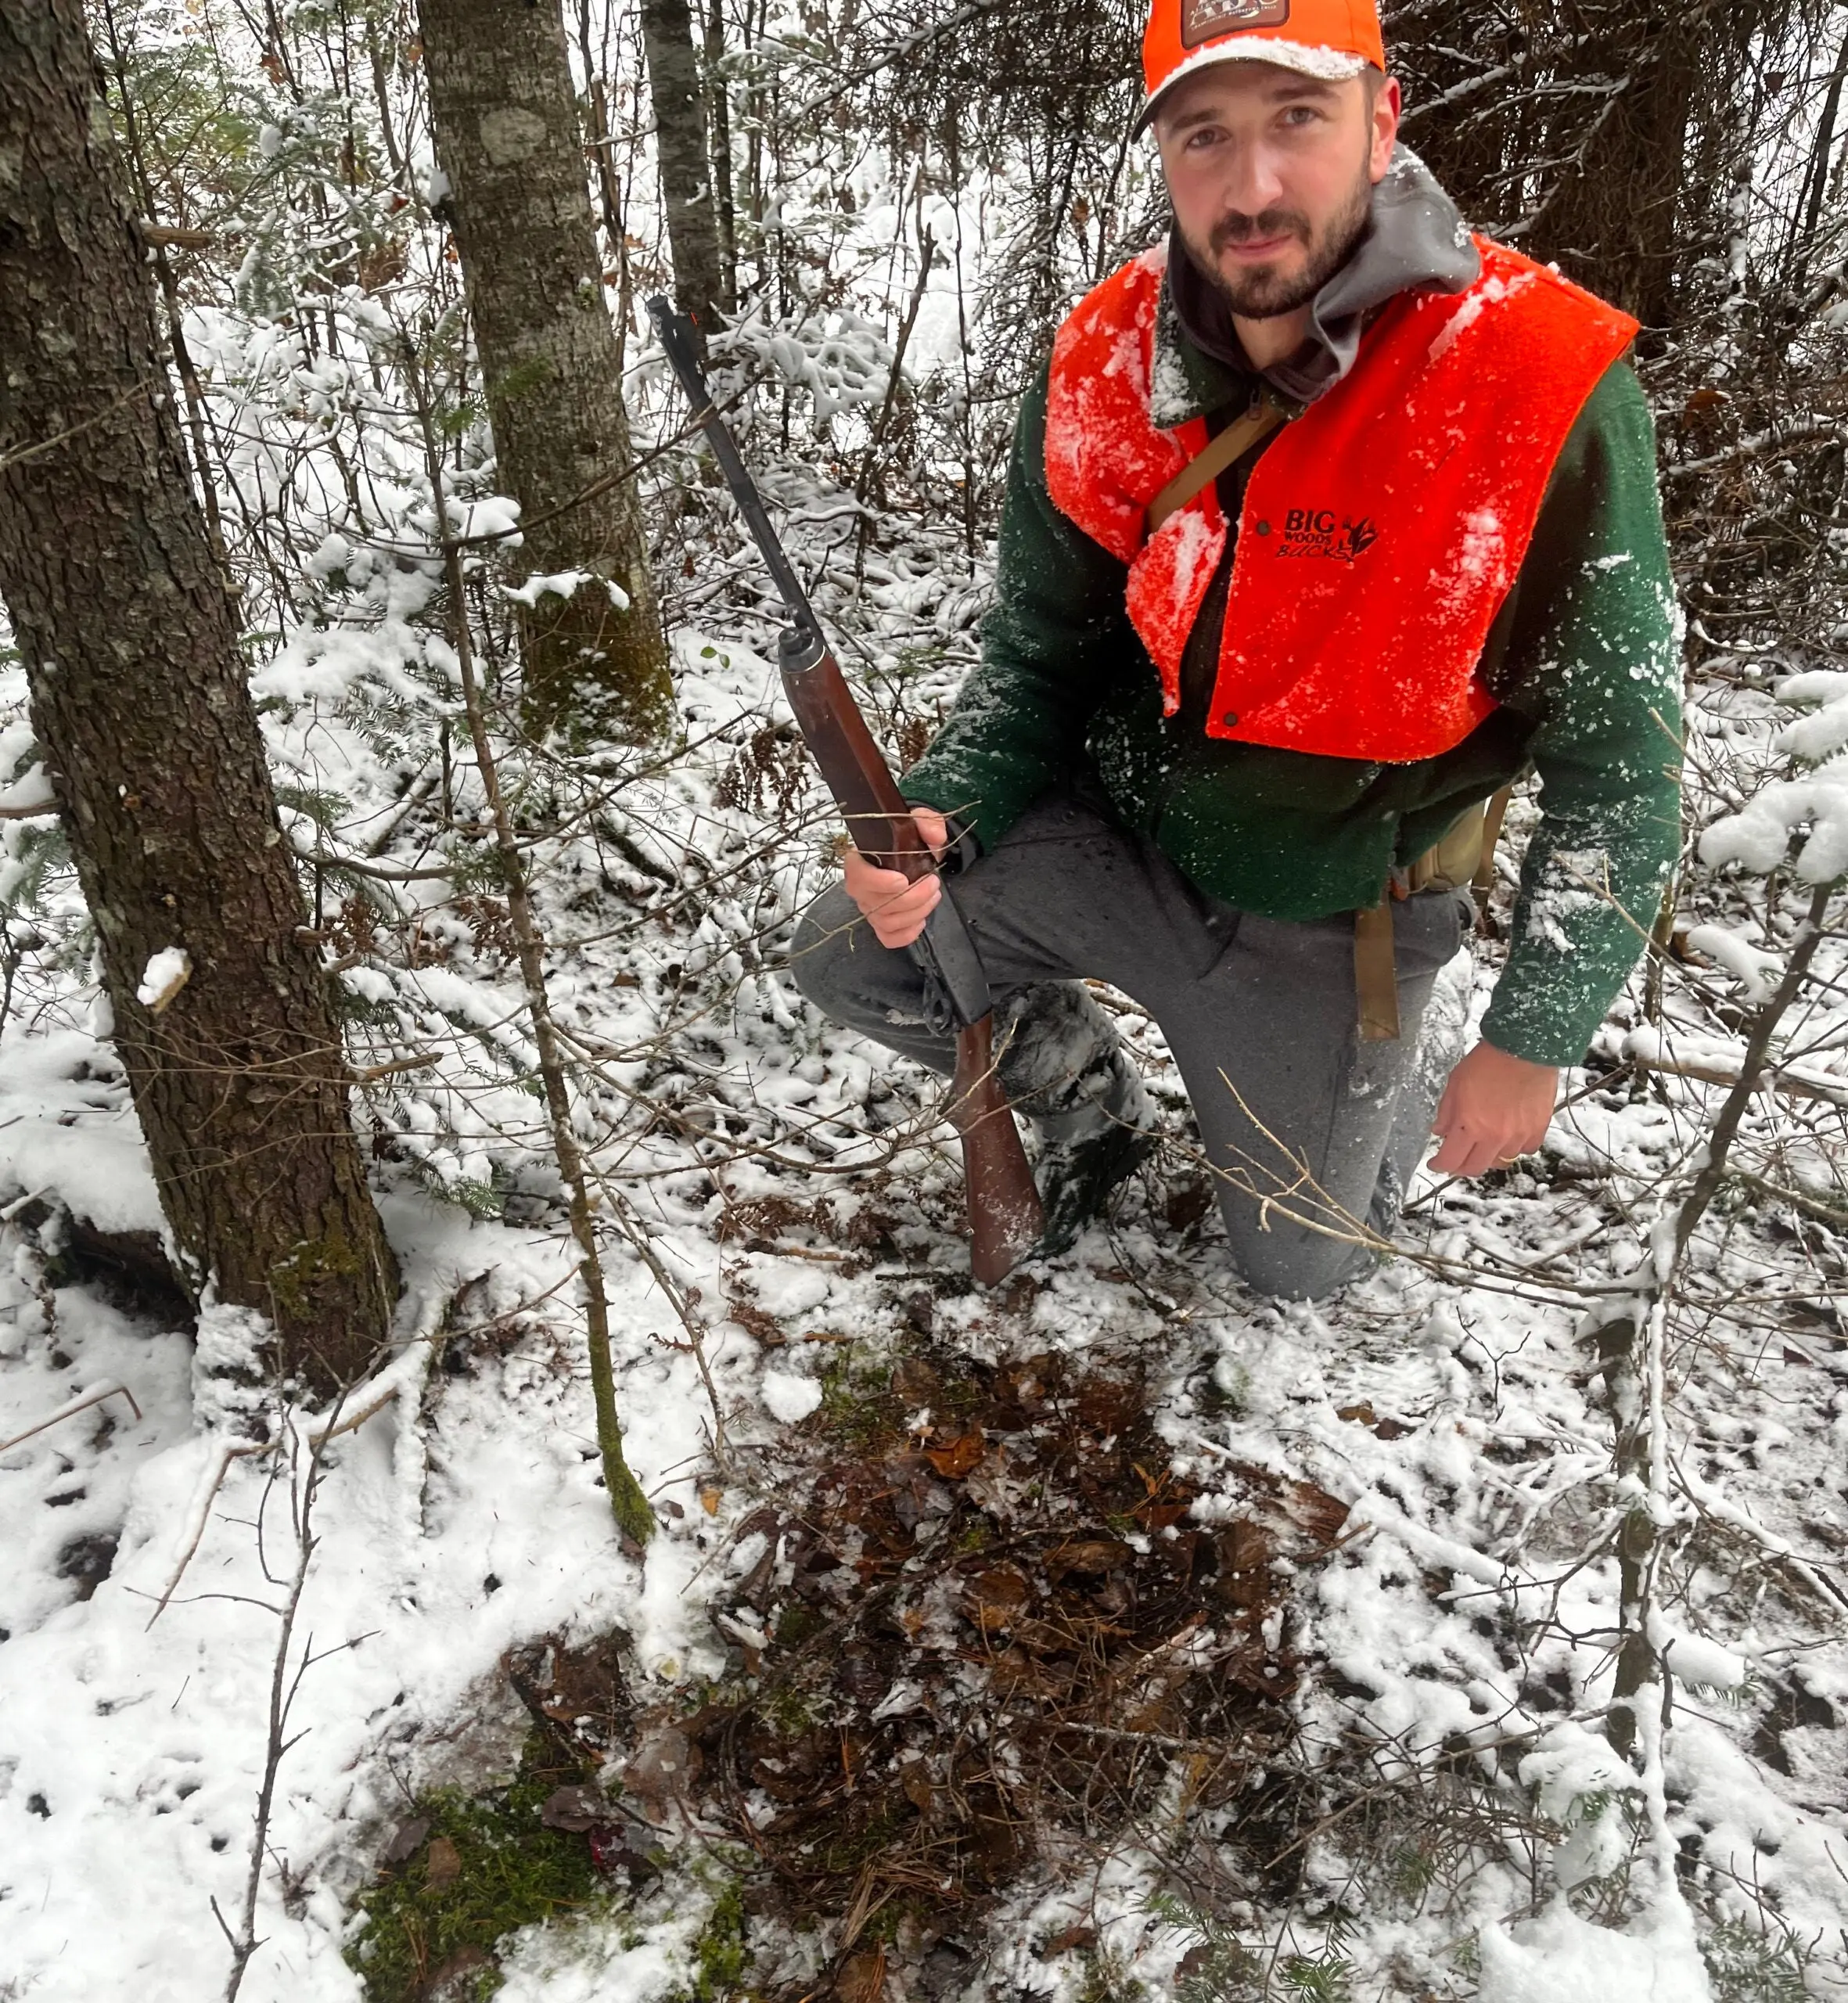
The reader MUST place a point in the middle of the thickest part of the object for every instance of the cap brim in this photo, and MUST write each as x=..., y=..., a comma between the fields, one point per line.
x=1333, y=66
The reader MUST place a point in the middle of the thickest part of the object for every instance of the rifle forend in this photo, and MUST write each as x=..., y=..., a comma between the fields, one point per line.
x=1005, y=1214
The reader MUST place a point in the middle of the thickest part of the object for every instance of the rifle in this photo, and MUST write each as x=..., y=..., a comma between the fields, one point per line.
x=1005, y=1217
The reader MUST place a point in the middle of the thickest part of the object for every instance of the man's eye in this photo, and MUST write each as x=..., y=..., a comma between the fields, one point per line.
x=1207, y=135
x=1301, y=114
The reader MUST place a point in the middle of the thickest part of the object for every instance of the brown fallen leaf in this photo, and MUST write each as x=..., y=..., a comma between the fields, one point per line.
x=998, y=1597
x=407, y=1841
x=1091, y=1554
x=955, y=1458
x=665, y=1764
x=915, y=1382
x=442, y=1864
x=575, y=1808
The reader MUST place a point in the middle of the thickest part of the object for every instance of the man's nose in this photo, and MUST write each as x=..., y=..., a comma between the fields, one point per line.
x=1253, y=183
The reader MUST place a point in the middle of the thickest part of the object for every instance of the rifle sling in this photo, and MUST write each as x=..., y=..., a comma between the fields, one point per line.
x=1230, y=447
x=1465, y=857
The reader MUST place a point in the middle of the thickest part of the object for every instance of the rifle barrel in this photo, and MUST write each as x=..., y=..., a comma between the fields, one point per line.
x=679, y=351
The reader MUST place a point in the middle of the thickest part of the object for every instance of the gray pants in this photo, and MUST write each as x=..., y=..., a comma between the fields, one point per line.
x=1304, y=1124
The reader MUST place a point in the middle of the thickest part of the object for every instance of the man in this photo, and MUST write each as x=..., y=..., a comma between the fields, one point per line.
x=1215, y=739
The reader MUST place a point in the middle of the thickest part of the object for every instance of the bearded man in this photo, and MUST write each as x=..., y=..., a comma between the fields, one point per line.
x=1326, y=521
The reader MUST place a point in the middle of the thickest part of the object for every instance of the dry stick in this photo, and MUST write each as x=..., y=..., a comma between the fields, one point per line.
x=282, y=1689
x=627, y=1225
x=70, y=1412
x=634, y=1519
x=1630, y=1346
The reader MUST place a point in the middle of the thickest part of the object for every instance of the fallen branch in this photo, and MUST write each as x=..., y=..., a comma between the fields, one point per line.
x=1809, y=1207
x=1648, y=1050
x=70, y=1411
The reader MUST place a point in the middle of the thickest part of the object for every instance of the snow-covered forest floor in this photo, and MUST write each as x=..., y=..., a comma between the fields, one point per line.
x=1112, y=1635
x=1112, y=1628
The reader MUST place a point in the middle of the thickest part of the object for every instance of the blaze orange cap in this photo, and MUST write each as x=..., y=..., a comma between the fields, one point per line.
x=1333, y=39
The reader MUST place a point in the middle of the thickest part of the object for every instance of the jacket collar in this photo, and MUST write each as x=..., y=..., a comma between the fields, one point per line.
x=1416, y=240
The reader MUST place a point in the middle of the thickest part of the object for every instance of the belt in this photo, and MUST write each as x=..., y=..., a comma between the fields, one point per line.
x=1464, y=858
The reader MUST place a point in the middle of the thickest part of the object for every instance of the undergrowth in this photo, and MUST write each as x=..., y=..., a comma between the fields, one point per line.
x=484, y=1866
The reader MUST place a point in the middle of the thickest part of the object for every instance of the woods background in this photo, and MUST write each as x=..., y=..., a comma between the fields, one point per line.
x=502, y=855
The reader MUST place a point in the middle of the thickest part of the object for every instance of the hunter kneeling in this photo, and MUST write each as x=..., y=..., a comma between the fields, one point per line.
x=1325, y=522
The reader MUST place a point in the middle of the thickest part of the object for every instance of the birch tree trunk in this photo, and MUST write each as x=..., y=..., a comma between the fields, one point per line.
x=139, y=699
x=505, y=119
x=684, y=163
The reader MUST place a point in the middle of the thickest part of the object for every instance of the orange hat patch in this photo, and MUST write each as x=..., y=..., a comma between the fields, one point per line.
x=1331, y=38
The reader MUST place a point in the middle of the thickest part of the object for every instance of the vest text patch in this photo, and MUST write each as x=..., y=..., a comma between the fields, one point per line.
x=1320, y=532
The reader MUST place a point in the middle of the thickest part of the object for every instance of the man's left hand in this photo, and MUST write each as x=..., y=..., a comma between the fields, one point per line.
x=1495, y=1109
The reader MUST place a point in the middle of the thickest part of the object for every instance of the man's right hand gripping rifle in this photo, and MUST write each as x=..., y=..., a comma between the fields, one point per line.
x=894, y=861
x=896, y=906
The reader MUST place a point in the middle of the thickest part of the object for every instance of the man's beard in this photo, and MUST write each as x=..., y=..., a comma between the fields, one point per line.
x=1265, y=294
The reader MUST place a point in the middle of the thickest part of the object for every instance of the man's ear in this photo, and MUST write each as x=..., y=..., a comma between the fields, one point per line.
x=1388, y=107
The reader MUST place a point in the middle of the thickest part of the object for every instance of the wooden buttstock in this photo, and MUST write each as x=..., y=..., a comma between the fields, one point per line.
x=1005, y=1219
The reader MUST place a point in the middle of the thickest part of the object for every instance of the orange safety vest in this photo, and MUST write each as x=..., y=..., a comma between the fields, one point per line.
x=1382, y=531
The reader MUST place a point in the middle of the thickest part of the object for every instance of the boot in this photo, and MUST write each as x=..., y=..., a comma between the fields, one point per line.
x=1064, y=1066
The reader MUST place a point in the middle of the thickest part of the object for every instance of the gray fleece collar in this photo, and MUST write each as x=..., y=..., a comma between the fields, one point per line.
x=1416, y=237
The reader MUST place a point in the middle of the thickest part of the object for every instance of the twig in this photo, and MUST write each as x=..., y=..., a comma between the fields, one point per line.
x=1809, y=1207
x=70, y=1411
x=634, y=1519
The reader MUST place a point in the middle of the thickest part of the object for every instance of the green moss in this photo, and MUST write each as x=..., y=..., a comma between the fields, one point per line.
x=859, y=1409
x=296, y=1283
x=796, y=1623
x=721, y=1955
x=510, y=1871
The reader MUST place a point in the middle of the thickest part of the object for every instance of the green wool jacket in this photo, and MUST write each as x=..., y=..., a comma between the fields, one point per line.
x=1584, y=660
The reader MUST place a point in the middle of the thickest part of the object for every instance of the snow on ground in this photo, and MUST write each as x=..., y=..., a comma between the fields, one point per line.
x=1462, y=1634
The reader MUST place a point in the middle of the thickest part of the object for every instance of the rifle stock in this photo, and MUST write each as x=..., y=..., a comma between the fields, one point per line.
x=1005, y=1220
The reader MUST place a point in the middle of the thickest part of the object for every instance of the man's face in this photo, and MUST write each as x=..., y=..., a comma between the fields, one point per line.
x=1271, y=174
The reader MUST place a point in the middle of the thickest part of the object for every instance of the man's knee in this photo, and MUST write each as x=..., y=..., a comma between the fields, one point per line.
x=831, y=936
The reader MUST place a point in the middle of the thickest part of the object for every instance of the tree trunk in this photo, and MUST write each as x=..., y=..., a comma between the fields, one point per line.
x=720, y=107
x=680, y=153
x=1611, y=220
x=139, y=700
x=507, y=134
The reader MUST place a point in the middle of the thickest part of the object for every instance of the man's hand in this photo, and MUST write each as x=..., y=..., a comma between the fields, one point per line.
x=896, y=910
x=1494, y=1109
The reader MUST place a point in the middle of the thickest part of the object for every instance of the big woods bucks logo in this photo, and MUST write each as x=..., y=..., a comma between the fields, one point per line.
x=1201, y=19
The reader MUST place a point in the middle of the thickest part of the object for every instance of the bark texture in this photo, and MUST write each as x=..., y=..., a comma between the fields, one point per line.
x=1614, y=220
x=139, y=699
x=508, y=137
x=679, y=149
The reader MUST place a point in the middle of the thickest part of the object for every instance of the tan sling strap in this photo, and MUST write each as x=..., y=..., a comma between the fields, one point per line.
x=1483, y=883
x=1375, y=974
x=1465, y=856
x=1230, y=447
